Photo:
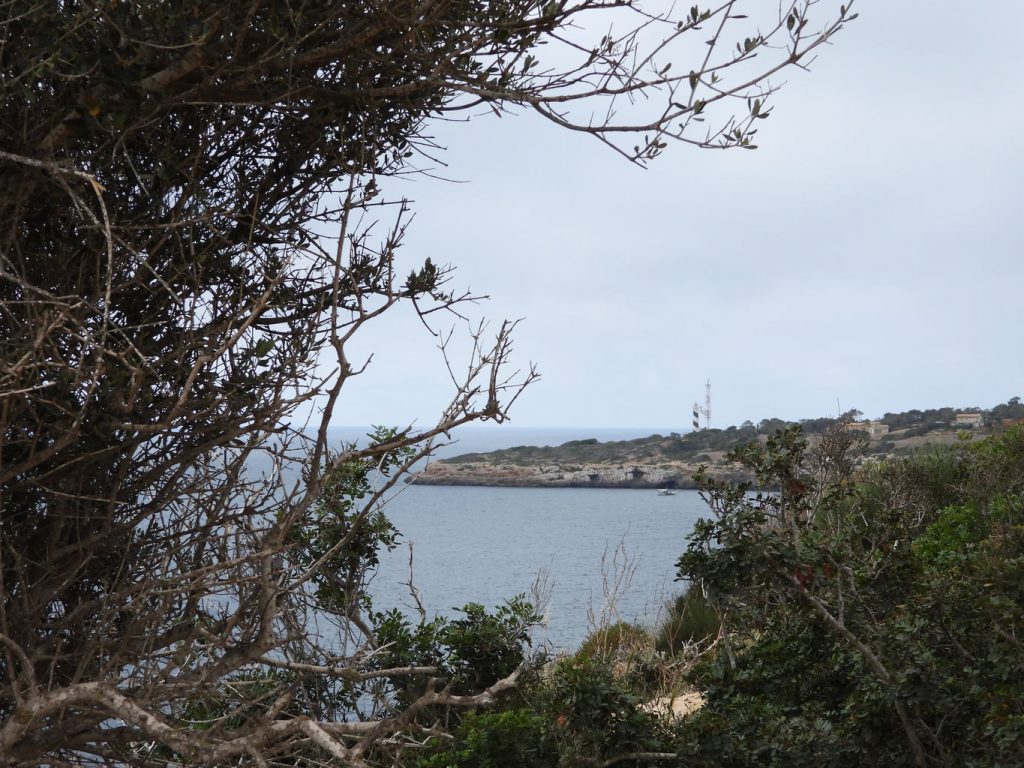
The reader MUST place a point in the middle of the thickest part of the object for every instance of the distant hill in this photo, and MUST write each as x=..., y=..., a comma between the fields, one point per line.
x=670, y=460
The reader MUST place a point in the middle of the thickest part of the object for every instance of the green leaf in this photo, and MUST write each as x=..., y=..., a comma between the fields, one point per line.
x=263, y=347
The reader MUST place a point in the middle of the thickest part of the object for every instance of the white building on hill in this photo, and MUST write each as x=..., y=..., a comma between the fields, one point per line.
x=873, y=428
x=972, y=420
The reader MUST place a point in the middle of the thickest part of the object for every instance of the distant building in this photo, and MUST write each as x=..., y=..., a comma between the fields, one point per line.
x=872, y=428
x=972, y=420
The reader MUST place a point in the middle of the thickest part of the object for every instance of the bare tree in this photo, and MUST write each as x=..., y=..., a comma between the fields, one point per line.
x=169, y=304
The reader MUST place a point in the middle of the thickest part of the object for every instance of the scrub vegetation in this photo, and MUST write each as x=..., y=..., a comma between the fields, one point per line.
x=193, y=232
x=935, y=425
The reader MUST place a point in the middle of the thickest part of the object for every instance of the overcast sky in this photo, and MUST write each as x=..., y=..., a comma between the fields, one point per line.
x=868, y=253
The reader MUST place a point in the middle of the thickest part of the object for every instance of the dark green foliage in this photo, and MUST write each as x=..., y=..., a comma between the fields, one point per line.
x=511, y=738
x=1012, y=409
x=582, y=716
x=613, y=641
x=929, y=418
x=344, y=531
x=596, y=714
x=871, y=622
x=482, y=647
x=691, y=618
x=471, y=652
x=689, y=447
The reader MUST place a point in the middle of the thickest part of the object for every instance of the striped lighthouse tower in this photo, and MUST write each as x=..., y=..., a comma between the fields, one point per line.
x=705, y=411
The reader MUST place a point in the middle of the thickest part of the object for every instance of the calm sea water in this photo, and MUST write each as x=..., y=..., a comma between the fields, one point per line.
x=485, y=545
x=604, y=554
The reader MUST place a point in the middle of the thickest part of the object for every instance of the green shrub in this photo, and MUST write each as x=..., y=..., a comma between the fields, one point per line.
x=616, y=640
x=691, y=618
x=509, y=739
x=874, y=621
x=584, y=715
x=595, y=714
x=957, y=528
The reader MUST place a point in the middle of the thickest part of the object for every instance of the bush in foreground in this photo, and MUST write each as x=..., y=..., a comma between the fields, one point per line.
x=690, y=619
x=870, y=621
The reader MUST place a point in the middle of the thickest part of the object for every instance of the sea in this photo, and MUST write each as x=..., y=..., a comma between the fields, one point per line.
x=589, y=556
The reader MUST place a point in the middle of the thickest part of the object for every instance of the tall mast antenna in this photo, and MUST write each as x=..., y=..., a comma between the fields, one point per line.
x=707, y=404
x=705, y=411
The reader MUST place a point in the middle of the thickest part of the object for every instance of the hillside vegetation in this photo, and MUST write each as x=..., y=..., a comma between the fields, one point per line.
x=670, y=461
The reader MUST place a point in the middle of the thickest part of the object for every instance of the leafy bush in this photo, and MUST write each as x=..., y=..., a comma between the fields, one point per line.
x=471, y=652
x=508, y=739
x=873, y=621
x=614, y=641
x=691, y=618
x=584, y=715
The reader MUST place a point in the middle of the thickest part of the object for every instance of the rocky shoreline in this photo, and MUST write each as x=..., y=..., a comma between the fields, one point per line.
x=676, y=475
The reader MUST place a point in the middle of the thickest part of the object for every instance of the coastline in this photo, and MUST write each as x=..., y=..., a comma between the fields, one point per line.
x=642, y=463
x=673, y=475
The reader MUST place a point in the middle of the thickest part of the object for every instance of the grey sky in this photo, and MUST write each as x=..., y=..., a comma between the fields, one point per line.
x=869, y=251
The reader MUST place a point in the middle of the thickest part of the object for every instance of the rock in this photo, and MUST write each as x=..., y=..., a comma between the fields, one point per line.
x=675, y=707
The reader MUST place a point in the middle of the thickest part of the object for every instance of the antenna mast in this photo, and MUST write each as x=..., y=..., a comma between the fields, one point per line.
x=707, y=404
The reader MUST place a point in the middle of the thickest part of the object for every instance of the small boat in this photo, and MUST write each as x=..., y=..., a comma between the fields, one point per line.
x=666, y=492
